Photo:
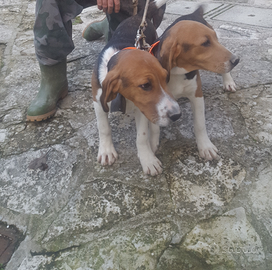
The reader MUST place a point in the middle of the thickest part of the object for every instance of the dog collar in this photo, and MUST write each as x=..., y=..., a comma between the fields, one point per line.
x=154, y=45
x=130, y=48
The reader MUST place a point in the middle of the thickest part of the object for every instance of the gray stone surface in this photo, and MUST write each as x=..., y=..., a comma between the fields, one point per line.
x=197, y=215
x=247, y=15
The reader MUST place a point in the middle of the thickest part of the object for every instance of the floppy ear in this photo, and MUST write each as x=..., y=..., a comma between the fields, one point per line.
x=110, y=87
x=168, y=55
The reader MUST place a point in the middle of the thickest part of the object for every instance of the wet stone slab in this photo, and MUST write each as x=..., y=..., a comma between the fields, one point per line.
x=136, y=248
x=229, y=240
x=197, y=186
x=98, y=205
x=30, y=191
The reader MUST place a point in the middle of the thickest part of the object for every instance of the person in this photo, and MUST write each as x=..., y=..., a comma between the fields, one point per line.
x=53, y=42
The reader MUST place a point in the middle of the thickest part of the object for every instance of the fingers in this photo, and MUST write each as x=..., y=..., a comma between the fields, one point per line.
x=116, y=6
x=99, y=4
x=108, y=5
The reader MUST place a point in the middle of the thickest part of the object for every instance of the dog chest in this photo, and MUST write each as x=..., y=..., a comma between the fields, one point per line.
x=179, y=85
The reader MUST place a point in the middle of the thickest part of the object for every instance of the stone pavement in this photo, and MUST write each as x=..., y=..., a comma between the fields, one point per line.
x=76, y=214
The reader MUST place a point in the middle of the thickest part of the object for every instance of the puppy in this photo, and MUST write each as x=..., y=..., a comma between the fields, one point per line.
x=187, y=45
x=141, y=80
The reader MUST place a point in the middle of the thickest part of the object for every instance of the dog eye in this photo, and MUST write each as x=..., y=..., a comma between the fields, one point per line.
x=207, y=43
x=146, y=86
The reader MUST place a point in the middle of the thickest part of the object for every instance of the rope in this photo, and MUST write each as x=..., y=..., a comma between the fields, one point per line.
x=135, y=6
x=140, y=42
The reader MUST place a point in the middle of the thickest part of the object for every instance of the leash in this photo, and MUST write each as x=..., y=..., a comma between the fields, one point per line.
x=140, y=42
x=135, y=7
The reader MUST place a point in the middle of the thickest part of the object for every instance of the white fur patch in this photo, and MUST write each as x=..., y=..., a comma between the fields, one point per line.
x=166, y=105
x=103, y=69
x=180, y=86
x=98, y=95
x=178, y=70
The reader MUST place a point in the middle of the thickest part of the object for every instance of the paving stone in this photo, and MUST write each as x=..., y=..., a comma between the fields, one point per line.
x=186, y=7
x=196, y=186
x=247, y=15
x=98, y=206
x=229, y=240
x=258, y=121
x=261, y=198
x=136, y=248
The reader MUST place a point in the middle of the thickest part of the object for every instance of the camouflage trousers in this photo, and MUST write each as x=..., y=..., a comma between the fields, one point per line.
x=53, y=28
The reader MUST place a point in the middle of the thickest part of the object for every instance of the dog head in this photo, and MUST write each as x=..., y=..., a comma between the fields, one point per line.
x=192, y=45
x=139, y=77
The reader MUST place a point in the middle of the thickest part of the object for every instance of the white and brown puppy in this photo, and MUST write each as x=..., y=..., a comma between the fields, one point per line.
x=139, y=77
x=187, y=45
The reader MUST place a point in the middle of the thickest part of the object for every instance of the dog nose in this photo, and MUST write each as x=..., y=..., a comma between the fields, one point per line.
x=234, y=60
x=174, y=117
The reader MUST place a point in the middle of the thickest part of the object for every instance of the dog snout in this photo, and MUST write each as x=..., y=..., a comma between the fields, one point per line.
x=234, y=60
x=174, y=116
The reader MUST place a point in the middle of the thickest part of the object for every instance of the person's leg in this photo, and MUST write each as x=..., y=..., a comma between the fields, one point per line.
x=53, y=42
x=104, y=27
x=96, y=30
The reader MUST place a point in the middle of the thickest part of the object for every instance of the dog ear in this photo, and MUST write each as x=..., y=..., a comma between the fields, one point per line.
x=110, y=88
x=199, y=12
x=169, y=54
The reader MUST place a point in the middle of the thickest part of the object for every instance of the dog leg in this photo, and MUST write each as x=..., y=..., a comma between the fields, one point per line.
x=150, y=164
x=205, y=147
x=228, y=82
x=154, y=136
x=106, y=153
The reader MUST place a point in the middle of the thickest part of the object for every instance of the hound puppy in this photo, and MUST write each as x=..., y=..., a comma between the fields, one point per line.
x=187, y=45
x=138, y=77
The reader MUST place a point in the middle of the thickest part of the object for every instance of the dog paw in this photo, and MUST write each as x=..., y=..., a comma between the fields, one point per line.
x=107, y=155
x=228, y=83
x=208, y=151
x=230, y=87
x=151, y=165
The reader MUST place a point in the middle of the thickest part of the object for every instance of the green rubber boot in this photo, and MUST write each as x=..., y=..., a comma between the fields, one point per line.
x=54, y=86
x=96, y=30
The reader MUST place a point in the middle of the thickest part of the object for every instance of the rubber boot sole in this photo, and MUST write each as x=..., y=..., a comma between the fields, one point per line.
x=42, y=117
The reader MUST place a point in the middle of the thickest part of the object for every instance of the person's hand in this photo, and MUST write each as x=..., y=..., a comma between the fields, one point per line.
x=108, y=5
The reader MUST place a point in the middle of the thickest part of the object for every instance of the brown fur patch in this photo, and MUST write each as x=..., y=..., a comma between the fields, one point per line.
x=186, y=47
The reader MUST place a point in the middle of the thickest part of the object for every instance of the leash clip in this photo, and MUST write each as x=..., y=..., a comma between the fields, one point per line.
x=140, y=42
